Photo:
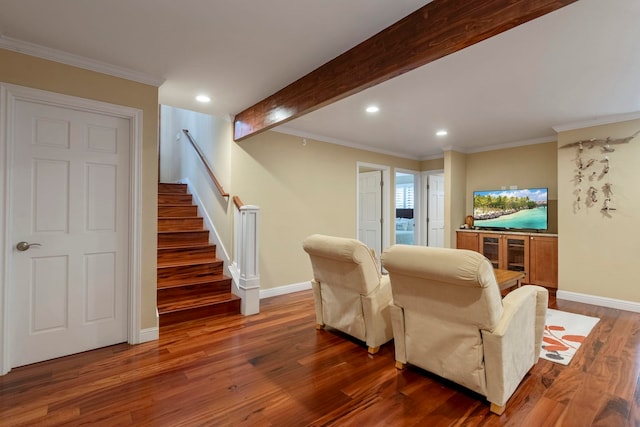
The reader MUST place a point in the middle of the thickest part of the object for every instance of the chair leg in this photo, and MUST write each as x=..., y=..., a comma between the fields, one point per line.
x=400, y=366
x=374, y=350
x=496, y=409
x=319, y=326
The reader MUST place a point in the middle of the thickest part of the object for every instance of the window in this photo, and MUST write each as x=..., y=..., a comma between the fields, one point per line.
x=404, y=195
x=405, y=203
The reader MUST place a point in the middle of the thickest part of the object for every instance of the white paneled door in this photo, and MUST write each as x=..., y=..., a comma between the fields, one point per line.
x=370, y=220
x=435, y=209
x=69, y=203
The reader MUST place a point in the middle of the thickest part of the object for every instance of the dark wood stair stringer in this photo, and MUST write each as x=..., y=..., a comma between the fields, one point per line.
x=191, y=281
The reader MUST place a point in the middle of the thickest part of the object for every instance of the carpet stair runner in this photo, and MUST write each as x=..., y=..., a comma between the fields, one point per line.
x=191, y=283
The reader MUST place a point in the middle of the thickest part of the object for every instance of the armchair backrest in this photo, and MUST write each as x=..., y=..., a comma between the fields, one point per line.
x=453, y=285
x=449, y=318
x=343, y=263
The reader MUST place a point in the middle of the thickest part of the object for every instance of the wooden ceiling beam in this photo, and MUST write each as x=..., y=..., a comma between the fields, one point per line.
x=437, y=29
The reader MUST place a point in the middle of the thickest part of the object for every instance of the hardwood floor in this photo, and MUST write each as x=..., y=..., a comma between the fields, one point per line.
x=276, y=369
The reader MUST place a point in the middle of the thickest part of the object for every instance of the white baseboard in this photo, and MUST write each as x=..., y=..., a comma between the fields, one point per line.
x=283, y=290
x=601, y=301
x=149, y=334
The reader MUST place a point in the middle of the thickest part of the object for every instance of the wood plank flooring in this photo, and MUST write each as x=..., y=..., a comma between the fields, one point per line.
x=276, y=369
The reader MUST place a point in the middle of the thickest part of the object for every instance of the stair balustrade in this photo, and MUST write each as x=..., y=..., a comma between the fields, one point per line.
x=245, y=265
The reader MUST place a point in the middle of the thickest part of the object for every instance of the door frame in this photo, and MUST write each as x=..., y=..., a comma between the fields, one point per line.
x=386, y=200
x=9, y=94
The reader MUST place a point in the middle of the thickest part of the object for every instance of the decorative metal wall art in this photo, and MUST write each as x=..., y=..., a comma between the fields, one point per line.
x=592, y=171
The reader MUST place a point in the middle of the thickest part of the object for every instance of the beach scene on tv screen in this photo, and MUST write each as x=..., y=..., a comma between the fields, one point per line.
x=525, y=209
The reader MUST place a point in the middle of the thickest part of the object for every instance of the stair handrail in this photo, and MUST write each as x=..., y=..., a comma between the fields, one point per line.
x=239, y=203
x=206, y=164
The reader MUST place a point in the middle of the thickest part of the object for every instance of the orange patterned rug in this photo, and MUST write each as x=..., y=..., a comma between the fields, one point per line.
x=564, y=332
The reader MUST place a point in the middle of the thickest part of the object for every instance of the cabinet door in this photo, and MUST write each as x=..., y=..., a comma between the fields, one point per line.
x=467, y=240
x=491, y=247
x=515, y=254
x=544, y=261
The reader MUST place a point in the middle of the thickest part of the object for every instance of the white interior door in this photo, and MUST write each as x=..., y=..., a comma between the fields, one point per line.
x=435, y=217
x=370, y=210
x=69, y=194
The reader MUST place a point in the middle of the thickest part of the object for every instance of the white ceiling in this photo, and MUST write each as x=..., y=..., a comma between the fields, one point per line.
x=577, y=64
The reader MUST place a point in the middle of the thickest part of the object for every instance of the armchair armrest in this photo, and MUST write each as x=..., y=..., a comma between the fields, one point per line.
x=317, y=301
x=377, y=318
x=397, y=323
x=513, y=347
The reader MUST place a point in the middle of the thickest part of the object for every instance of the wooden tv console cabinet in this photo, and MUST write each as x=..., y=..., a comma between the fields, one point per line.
x=534, y=254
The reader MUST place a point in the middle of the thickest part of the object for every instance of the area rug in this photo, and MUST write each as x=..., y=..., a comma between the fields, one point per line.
x=564, y=332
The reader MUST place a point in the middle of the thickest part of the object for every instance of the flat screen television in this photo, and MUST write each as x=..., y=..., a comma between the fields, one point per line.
x=521, y=209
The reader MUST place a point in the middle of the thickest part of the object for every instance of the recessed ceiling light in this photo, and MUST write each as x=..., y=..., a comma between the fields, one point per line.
x=441, y=132
x=203, y=98
x=372, y=109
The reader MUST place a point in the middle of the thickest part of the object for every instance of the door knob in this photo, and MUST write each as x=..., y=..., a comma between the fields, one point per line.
x=23, y=246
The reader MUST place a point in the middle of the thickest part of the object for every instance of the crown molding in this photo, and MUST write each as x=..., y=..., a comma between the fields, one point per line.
x=522, y=143
x=433, y=156
x=454, y=148
x=67, y=58
x=336, y=141
x=606, y=120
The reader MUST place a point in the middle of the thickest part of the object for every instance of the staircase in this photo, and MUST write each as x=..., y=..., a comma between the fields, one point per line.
x=191, y=284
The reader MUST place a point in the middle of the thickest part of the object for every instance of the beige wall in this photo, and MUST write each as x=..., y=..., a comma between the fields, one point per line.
x=526, y=166
x=455, y=190
x=598, y=253
x=312, y=189
x=432, y=164
x=179, y=162
x=301, y=190
x=37, y=73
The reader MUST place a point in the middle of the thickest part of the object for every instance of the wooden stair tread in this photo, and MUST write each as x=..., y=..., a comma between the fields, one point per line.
x=194, y=281
x=193, y=245
x=176, y=197
x=170, y=253
x=192, y=227
x=165, y=211
x=177, y=217
x=189, y=272
x=173, y=189
x=167, y=227
x=190, y=261
x=179, y=304
x=177, y=245
x=182, y=237
x=181, y=231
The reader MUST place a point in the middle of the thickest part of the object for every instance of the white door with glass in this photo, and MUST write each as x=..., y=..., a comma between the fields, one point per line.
x=69, y=205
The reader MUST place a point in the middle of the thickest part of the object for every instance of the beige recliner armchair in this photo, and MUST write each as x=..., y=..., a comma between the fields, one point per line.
x=349, y=292
x=449, y=318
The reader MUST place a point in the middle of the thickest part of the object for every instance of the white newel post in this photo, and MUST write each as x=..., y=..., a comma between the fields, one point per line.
x=246, y=261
